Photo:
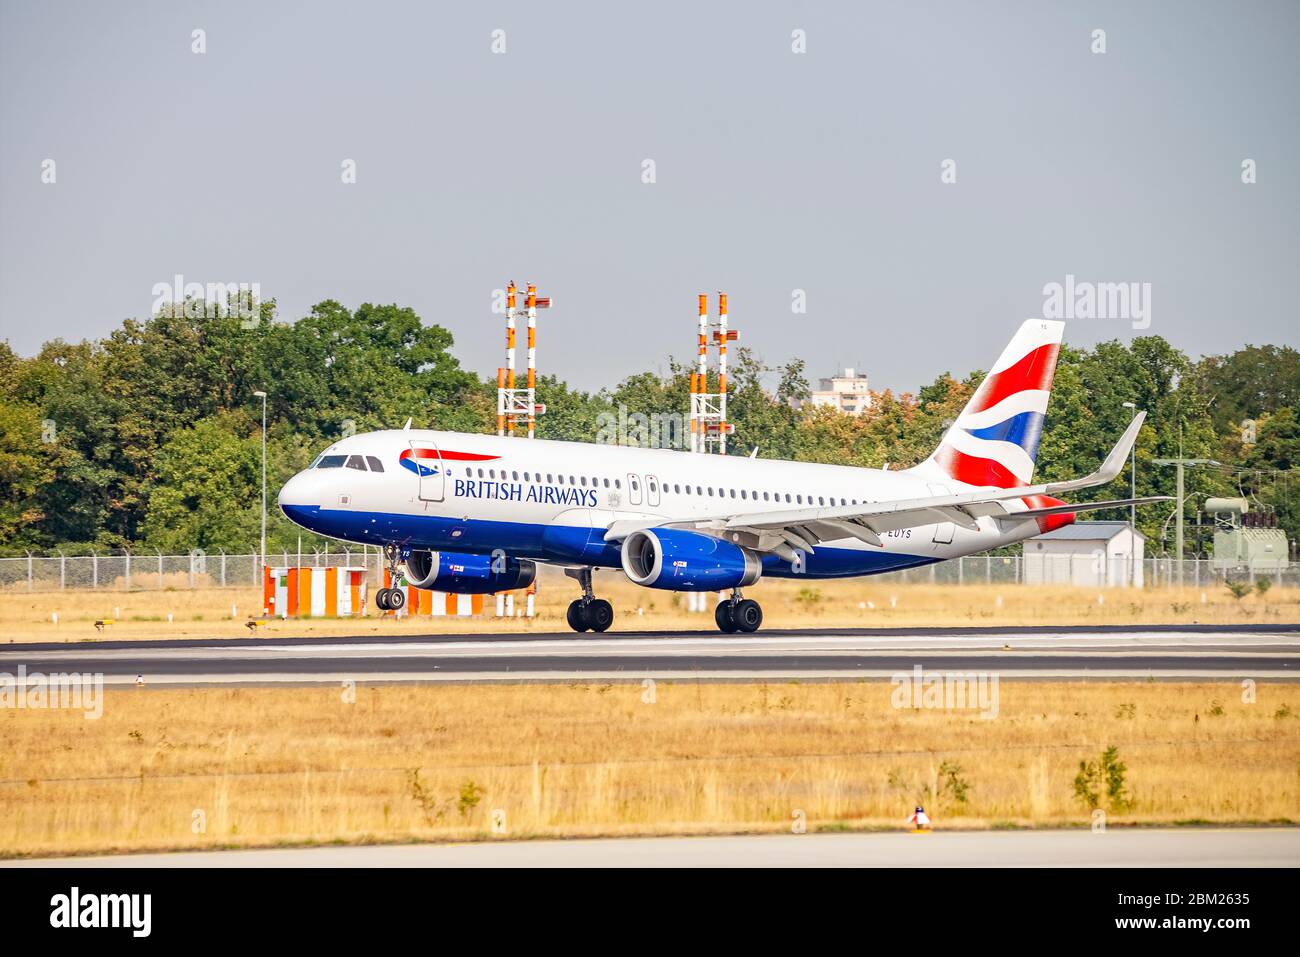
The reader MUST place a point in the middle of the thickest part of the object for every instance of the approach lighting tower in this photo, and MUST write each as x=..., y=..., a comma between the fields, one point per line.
x=517, y=407
x=709, y=425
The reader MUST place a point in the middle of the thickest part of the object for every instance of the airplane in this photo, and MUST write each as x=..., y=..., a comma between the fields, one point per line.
x=472, y=513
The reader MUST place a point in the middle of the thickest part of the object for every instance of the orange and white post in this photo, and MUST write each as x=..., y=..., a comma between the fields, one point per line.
x=722, y=372
x=532, y=359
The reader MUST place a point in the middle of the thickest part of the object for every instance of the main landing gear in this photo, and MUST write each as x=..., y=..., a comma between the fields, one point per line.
x=391, y=599
x=738, y=614
x=588, y=613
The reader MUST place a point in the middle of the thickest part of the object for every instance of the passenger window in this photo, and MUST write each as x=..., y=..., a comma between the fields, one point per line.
x=374, y=463
x=357, y=462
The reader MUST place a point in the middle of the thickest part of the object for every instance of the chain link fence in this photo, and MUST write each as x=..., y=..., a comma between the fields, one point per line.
x=144, y=571
x=1096, y=570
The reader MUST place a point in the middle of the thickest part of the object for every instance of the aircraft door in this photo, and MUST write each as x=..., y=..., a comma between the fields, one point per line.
x=652, y=490
x=426, y=462
x=942, y=530
x=633, y=489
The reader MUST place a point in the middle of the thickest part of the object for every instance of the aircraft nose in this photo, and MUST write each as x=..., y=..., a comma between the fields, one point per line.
x=297, y=494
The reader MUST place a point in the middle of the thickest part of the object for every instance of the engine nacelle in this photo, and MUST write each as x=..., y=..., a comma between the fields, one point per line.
x=687, y=561
x=465, y=574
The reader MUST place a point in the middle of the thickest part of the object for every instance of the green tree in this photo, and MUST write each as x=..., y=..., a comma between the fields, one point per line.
x=202, y=495
x=24, y=469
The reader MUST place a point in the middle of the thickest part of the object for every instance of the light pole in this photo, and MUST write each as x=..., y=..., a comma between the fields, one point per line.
x=1133, y=474
x=262, y=395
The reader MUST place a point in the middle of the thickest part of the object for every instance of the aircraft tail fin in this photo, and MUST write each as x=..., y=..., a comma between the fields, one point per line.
x=995, y=439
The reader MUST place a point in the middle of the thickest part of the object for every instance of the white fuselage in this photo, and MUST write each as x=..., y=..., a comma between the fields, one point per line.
x=553, y=501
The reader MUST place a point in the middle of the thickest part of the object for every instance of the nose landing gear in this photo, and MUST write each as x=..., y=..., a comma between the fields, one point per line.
x=738, y=614
x=588, y=613
x=391, y=599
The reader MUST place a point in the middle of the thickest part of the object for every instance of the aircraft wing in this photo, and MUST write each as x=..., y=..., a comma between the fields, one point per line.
x=785, y=530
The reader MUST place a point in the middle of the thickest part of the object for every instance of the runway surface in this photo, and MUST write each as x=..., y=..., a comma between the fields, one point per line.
x=1174, y=653
x=1184, y=847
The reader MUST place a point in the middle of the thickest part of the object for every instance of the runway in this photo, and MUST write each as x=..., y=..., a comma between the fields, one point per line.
x=1162, y=653
x=1180, y=847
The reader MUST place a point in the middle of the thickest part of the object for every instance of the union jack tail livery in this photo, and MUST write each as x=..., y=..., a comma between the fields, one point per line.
x=994, y=441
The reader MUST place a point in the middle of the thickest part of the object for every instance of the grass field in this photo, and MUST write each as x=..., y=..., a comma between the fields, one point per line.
x=217, y=767
x=861, y=602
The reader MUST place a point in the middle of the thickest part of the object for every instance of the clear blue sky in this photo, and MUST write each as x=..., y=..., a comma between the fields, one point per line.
x=775, y=171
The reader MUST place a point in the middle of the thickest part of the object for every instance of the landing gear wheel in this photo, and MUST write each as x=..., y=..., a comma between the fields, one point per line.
x=576, y=617
x=381, y=599
x=722, y=615
x=747, y=615
x=396, y=599
x=598, y=615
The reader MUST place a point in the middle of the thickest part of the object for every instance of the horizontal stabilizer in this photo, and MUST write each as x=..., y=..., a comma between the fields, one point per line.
x=1083, y=507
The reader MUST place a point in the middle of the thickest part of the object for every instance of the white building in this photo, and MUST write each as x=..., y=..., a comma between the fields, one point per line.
x=848, y=393
x=1088, y=554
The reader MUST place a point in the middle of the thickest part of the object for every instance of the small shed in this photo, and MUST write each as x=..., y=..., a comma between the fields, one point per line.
x=1087, y=554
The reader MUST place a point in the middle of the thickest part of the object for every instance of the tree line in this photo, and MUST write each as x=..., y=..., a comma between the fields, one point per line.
x=151, y=437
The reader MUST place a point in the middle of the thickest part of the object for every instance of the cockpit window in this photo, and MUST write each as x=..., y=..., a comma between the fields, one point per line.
x=375, y=464
x=331, y=461
x=357, y=462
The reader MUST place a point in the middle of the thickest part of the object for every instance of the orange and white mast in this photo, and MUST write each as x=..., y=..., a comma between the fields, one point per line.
x=506, y=376
x=722, y=372
x=532, y=359
x=709, y=426
x=700, y=377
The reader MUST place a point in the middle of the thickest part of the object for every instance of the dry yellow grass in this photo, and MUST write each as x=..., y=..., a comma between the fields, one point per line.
x=861, y=602
x=217, y=767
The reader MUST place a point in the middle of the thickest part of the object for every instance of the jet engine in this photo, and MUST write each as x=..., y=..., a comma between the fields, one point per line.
x=687, y=561
x=465, y=574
